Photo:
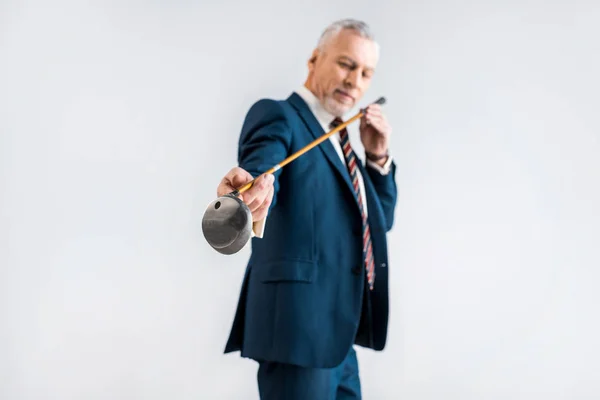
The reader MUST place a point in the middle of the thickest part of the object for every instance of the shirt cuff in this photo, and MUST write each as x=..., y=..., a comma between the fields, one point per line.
x=382, y=170
x=258, y=228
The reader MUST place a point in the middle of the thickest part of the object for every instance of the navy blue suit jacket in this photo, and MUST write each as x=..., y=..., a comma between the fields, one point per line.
x=304, y=298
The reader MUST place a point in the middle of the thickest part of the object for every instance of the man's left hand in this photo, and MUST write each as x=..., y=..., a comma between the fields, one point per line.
x=375, y=130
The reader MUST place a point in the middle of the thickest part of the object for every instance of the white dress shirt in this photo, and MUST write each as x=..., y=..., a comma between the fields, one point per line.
x=325, y=119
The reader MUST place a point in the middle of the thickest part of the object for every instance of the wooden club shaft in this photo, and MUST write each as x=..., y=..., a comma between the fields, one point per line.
x=303, y=150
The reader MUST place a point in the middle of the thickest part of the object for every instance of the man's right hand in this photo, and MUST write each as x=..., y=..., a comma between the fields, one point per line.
x=258, y=198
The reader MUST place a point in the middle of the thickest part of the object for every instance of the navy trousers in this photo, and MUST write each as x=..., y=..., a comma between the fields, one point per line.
x=278, y=381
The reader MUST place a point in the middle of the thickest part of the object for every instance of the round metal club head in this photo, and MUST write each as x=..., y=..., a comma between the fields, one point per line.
x=227, y=224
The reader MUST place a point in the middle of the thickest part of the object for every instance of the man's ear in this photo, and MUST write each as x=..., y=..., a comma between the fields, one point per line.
x=312, y=61
x=313, y=57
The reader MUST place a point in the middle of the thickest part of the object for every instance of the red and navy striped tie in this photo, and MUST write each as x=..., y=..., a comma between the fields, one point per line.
x=351, y=161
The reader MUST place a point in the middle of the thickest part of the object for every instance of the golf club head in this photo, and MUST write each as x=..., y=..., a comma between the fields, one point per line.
x=227, y=224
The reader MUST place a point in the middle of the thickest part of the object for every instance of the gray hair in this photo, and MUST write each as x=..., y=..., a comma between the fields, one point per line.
x=357, y=26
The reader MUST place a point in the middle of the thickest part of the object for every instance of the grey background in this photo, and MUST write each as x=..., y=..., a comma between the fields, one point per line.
x=119, y=118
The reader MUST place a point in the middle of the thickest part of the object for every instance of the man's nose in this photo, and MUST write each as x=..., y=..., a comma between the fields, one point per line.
x=352, y=79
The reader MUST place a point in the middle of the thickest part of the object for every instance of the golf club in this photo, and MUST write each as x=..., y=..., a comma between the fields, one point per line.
x=227, y=221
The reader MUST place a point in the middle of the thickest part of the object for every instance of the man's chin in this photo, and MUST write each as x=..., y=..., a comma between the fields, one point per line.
x=336, y=108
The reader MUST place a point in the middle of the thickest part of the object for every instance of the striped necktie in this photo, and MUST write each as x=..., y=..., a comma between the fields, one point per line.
x=351, y=161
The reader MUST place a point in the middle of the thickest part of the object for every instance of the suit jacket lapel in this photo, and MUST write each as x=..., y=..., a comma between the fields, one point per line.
x=317, y=131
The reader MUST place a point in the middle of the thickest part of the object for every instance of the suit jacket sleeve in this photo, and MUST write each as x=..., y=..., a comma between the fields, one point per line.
x=264, y=141
x=385, y=186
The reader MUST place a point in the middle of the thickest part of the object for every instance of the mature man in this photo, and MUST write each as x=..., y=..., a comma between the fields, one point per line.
x=316, y=282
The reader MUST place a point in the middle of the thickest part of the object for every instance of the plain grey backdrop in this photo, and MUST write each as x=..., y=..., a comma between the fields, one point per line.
x=118, y=120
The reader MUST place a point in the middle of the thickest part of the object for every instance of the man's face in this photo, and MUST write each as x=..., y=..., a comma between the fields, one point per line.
x=340, y=75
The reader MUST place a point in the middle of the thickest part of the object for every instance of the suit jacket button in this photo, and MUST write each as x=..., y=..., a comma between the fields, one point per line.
x=357, y=270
